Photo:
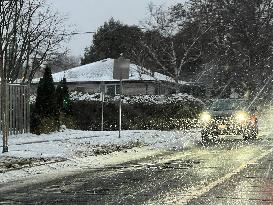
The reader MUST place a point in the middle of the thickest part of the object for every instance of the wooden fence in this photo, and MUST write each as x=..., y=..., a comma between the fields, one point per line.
x=18, y=109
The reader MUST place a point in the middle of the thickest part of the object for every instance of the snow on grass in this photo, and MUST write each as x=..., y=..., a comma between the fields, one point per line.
x=76, y=150
x=66, y=144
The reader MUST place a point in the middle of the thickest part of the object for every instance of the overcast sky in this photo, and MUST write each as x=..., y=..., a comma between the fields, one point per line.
x=88, y=15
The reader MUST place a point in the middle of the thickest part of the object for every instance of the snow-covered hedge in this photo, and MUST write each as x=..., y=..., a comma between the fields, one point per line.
x=161, y=99
x=139, y=112
x=143, y=99
x=79, y=96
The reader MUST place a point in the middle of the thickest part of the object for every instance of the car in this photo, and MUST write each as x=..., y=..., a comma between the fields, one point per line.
x=229, y=117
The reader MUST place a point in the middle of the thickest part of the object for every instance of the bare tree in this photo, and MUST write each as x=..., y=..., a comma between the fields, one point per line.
x=63, y=61
x=242, y=41
x=174, y=40
x=30, y=33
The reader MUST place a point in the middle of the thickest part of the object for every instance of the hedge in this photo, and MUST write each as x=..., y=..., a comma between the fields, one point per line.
x=87, y=115
x=138, y=113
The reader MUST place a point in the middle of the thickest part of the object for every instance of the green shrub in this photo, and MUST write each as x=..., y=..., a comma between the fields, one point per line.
x=67, y=120
x=47, y=125
x=43, y=125
x=139, y=116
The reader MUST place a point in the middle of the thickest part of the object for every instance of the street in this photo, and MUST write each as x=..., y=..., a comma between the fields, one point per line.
x=211, y=173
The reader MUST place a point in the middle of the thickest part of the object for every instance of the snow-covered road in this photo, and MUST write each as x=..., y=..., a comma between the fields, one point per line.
x=144, y=175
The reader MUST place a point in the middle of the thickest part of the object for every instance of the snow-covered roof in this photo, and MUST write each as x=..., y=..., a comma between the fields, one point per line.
x=103, y=71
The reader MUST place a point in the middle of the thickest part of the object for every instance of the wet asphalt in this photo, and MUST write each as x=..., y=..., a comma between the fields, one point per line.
x=185, y=176
x=253, y=186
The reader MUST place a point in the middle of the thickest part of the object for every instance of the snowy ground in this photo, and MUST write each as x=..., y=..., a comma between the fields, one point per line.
x=72, y=151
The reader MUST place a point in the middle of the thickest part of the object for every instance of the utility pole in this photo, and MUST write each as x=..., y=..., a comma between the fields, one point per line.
x=4, y=104
x=4, y=115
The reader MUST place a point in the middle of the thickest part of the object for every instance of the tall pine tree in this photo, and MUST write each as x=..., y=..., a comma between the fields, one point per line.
x=46, y=96
x=62, y=97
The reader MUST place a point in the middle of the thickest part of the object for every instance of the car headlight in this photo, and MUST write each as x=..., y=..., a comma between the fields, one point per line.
x=242, y=117
x=205, y=117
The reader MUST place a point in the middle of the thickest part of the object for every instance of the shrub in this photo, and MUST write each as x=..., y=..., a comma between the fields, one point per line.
x=52, y=106
x=46, y=105
x=137, y=114
x=47, y=125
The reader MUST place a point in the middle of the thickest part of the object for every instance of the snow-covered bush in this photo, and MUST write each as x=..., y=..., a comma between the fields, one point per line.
x=139, y=112
x=79, y=96
x=144, y=99
x=159, y=112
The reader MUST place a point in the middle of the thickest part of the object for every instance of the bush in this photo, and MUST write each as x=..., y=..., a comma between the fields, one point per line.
x=67, y=120
x=137, y=115
x=44, y=125
x=47, y=125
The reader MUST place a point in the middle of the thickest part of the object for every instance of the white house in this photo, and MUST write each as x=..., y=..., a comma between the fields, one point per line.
x=98, y=76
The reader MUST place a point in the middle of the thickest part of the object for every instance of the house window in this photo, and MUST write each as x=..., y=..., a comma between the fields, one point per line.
x=112, y=90
x=117, y=89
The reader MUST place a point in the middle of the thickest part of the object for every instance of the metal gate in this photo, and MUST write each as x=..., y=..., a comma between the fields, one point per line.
x=18, y=109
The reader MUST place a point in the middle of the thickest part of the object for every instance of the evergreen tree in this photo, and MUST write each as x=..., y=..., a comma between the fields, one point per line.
x=66, y=99
x=62, y=97
x=59, y=96
x=46, y=101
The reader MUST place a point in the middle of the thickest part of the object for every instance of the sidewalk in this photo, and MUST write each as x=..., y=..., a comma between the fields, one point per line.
x=252, y=186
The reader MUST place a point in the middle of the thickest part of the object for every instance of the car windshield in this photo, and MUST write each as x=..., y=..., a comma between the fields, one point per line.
x=228, y=105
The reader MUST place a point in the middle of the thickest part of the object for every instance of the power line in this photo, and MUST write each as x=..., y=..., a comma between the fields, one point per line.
x=79, y=33
x=88, y=32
